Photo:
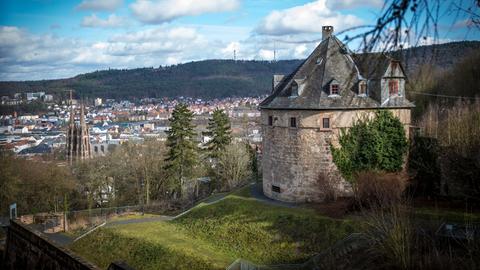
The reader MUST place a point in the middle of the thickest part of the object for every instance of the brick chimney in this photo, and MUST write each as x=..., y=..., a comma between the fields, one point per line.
x=327, y=31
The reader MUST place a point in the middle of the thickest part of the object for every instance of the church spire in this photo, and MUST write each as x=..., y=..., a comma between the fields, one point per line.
x=78, y=136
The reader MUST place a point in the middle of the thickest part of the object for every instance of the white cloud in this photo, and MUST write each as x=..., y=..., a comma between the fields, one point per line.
x=100, y=5
x=266, y=54
x=160, y=11
x=350, y=4
x=27, y=56
x=263, y=48
x=172, y=60
x=112, y=21
x=308, y=18
x=232, y=47
x=300, y=51
x=465, y=23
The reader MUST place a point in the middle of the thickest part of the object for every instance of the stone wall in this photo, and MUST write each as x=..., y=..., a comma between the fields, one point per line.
x=298, y=159
x=28, y=250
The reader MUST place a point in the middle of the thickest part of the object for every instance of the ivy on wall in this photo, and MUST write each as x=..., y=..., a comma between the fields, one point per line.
x=377, y=144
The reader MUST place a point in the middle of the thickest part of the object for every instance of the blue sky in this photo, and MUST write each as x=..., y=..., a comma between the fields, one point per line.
x=47, y=39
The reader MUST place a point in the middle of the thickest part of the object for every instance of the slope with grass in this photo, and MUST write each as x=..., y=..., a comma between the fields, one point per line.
x=213, y=236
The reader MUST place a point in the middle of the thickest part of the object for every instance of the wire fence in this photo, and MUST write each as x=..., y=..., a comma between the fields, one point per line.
x=83, y=220
x=321, y=260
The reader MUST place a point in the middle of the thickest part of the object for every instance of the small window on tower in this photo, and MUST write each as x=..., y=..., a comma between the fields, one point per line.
x=334, y=89
x=326, y=123
x=270, y=120
x=293, y=122
x=276, y=189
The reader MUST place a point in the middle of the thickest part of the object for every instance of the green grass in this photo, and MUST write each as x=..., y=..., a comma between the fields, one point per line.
x=76, y=233
x=446, y=215
x=155, y=245
x=132, y=216
x=213, y=236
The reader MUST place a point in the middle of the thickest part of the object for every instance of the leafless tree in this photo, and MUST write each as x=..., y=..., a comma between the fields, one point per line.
x=413, y=22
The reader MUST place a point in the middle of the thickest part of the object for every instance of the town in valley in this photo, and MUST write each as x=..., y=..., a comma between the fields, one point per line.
x=239, y=134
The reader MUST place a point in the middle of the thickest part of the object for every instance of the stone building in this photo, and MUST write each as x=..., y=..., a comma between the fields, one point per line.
x=78, y=137
x=306, y=110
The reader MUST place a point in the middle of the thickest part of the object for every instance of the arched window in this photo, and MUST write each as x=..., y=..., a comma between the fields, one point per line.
x=294, y=87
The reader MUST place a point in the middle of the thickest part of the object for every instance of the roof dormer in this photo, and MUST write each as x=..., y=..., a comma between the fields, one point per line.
x=334, y=88
x=362, y=88
x=296, y=87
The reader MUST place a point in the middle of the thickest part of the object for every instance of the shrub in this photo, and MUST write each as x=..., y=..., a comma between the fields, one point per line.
x=423, y=164
x=445, y=159
x=455, y=127
x=328, y=186
x=390, y=233
x=233, y=167
x=379, y=144
x=374, y=189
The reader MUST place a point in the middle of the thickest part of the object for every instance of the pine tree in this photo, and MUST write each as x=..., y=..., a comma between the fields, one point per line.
x=219, y=129
x=182, y=157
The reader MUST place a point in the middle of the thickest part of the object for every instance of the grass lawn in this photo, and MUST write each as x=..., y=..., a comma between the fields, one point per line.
x=132, y=216
x=445, y=215
x=213, y=236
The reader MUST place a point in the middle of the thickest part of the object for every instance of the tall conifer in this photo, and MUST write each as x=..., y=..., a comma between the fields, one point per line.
x=219, y=129
x=182, y=156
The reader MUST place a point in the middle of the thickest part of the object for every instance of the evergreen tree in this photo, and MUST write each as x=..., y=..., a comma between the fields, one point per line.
x=252, y=152
x=219, y=129
x=182, y=156
x=379, y=144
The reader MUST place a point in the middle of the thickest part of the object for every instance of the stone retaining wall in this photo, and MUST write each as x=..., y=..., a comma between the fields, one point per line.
x=28, y=250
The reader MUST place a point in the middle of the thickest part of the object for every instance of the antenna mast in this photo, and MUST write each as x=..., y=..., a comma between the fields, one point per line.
x=274, y=51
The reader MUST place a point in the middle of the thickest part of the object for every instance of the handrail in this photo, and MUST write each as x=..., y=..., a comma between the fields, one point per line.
x=93, y=229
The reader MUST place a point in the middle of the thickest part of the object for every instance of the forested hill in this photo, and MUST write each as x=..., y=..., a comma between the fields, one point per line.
x=212, y=78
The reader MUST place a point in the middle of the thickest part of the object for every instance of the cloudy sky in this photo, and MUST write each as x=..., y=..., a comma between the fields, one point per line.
x=47, y=39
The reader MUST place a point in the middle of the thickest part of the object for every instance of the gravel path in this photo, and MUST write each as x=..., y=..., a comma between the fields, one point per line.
x=59, y=239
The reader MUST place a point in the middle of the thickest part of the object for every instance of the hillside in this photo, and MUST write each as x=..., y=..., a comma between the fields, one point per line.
x=214, y=78
x=212, y=236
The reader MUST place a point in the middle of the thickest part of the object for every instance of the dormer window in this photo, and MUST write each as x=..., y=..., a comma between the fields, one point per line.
x=393, y=87
x=294, y=87
x=334, y=89
x=362, y=88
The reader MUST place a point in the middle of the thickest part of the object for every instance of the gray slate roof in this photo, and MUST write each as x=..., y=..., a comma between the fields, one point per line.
x=39, y=149
x=330, y=61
